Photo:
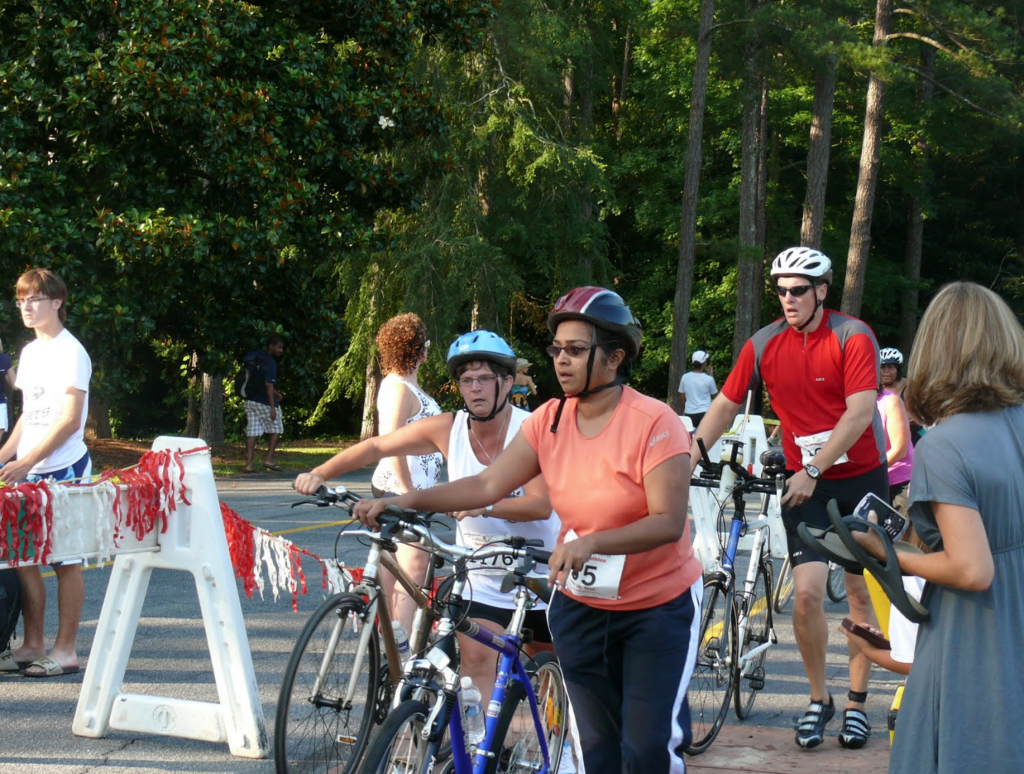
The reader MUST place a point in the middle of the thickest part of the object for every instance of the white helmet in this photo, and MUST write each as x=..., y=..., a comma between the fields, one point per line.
x=804, y=262
x=891, y=356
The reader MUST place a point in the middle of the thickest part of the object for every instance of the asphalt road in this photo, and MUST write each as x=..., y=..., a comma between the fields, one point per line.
x=170, y=658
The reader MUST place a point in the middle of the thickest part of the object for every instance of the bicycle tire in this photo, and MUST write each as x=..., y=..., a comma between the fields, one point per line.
x=314, y=732
x=713, y=675
x=783, y=587
x=836, y=586
x=751, y=679
x=516, y=734
x=398, y=747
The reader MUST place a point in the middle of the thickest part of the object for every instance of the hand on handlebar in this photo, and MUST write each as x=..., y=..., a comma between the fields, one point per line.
x=308, y=483
x=801, y=487
x=569, y=557
x=367, y=511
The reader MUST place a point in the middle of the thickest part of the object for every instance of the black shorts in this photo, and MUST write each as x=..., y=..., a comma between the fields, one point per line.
x=847, y=492
x=536, y=620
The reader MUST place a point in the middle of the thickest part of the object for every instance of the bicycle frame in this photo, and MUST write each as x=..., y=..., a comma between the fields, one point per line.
x=738, y=526
x=448, y=698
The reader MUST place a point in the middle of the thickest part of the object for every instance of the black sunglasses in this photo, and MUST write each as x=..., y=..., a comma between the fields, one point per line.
x=796, y=292
x=572, y=350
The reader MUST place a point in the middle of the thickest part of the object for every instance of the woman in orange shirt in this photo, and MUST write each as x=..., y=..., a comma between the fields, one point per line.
x=625, y=621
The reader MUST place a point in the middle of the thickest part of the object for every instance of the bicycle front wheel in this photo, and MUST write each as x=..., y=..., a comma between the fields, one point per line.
x=783, y=587
x=399, y=747
x=712, y=682
x=317, y=728
x=516, y=733
x=836, y=587
x=750, y=673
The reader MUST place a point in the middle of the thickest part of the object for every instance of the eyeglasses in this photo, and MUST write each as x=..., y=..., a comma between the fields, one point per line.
x=572, y=350
x=796, y=292
x=21, y=303
x=466, y=382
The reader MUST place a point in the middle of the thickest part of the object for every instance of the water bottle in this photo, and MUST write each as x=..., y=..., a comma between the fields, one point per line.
x=402, y=641
x=472, y=712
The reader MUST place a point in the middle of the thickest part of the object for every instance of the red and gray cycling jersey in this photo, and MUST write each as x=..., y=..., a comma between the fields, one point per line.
x=809, y=382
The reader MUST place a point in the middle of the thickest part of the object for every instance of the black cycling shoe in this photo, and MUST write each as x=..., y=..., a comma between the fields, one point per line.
x=856, y=729
x=810, y=731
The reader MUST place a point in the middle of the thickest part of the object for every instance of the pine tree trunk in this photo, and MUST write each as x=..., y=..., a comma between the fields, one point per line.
x=688, y=217
x=915, y=217
x=619, y=89
x=192, y=418
x=212, y=427
x=818, y=152
x=870, y=158
x=373, y=377
x=748, y=254
x=761, y=214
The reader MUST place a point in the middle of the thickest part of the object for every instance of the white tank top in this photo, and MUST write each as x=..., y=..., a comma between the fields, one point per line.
x=485, y=585
x=425, y=469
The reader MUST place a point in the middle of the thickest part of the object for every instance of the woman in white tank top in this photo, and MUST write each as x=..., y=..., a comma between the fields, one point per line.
x=402, y=346
x=470, y=439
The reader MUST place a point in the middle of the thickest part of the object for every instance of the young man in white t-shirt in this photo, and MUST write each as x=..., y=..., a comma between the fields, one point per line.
x=47, y=442
x=697, y=387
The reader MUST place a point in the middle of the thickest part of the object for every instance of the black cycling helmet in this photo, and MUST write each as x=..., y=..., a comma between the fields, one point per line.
x=603, y=309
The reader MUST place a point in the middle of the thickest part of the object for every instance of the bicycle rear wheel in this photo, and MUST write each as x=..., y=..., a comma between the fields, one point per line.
x=399, y=747
x=516, y=733
x=713, y=674
x=783, y=587
x=315, y=730
x=836, y=587
x=750, y=676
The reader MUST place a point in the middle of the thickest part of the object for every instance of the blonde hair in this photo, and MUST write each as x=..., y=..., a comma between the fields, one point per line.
x=968, y=355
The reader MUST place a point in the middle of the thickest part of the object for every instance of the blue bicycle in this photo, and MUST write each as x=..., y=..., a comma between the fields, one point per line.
x=526, y=718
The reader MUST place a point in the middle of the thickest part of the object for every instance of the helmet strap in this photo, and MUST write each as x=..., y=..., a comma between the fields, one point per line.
x=818, y=303
x=586, y=392
x=495, y=410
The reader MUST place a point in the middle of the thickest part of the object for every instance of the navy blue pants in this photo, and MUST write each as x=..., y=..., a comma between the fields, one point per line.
x=627, y=672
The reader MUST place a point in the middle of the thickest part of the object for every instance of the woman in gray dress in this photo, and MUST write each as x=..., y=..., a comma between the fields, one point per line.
x=965, y=695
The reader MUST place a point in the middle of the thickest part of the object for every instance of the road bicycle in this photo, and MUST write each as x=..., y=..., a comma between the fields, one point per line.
x=736, y=628
x=783, y=592
x=338, y=682
x=526, y=718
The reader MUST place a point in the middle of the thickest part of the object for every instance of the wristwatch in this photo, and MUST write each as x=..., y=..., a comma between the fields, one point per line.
x=812, y=471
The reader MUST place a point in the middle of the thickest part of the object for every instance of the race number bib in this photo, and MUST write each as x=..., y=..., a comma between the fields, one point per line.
x=812, y=444
x=600, y=576
x=490, y=565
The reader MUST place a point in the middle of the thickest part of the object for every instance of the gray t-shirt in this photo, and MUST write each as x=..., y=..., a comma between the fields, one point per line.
x=963, y=703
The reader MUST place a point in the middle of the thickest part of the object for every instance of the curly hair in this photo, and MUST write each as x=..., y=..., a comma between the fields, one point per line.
x=401, y=342
x=968, y=355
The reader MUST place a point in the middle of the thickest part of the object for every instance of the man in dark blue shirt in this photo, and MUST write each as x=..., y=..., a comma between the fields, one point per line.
x=263, y=409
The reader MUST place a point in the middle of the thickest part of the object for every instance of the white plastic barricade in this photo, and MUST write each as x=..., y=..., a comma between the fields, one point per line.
x=704, y=503
x=194, y=543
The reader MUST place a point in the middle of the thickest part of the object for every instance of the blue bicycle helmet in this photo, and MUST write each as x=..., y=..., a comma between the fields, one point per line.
x=482, y=345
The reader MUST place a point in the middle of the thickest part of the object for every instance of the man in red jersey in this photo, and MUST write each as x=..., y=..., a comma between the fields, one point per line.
x=821, y=369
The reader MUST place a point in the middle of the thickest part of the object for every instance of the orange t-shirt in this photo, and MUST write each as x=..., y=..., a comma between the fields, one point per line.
x=597, y=484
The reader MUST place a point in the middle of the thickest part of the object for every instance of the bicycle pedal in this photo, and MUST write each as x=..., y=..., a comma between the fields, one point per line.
x=756, y=680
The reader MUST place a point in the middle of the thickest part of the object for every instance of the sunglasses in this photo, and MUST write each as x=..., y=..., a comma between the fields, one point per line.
x=572, y=350
x=796, y=292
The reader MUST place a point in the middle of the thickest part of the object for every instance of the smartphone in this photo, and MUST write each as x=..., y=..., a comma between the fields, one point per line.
x=889, y=519
x=872, y=639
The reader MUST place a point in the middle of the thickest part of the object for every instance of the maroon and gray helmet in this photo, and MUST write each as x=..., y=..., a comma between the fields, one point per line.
x=602, y=308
